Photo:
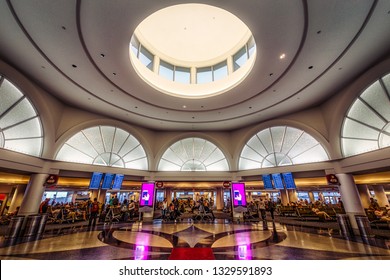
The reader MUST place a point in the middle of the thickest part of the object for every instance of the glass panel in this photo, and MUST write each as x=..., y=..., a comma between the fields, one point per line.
x=22, y=111
x=278, y=137
x=221, y=165
x=239, y=58
x=246, y=164
x=377, y=98
x=99, y=160
x=27, y=146
x=183, y=75
x=315, y=154
x=129, y=145
x=353, y=129
x=120, y=138
x=204, y=75
x=285, y=161
x=279, y=157
x=266, y=163
x=2, y=140
x=31, y=128
x=355, y=146
x=188, y=145
x=386, y=81
x=80, y=142
x=359, y=111
x=168, y=166
x=116, y=161
x=171, y=156
x=271, y=159
x=139, y=164
x=94, y=136
x=220, y=70
x=251, y=46
x=9, y=94
x=68, y=153
x=292, y=135
x=193, y=165
x=304, y=143
x=108, y=133
x=179, y=150
x=146, y=58
x=249, y=153
x=134, y=45
x=166, y=70
x=215, y=156
x=265, y=137
x=199, y=145
x=137, y=153
x=256, y=145
x=384, y=138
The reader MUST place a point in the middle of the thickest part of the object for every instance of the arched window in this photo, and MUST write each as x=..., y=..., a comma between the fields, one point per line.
x=366, y=126
x=104, y=145
x=279, y=146
x=193, y=154
x=20, y=125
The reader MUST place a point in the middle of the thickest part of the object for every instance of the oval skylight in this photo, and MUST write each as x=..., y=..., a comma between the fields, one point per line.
x=192, y=50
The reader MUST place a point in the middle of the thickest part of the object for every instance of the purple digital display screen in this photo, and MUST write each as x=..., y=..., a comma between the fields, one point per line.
x=238, y=194
x=147, y=194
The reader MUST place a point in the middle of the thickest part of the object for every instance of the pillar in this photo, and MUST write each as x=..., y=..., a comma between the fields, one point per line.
x=284, y=197
x=292, y=195
x=17, y=197
x=351, y=199
x=311, y=197
x=33, y=194
x=380, y=195
x=364, y=193
x=219, y=203
x=168, y=195
x=100, y=195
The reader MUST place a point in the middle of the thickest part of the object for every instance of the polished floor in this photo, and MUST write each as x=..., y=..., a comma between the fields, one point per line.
x=218, y=239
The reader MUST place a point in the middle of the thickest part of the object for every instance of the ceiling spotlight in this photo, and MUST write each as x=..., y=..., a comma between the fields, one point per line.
x=282, y=56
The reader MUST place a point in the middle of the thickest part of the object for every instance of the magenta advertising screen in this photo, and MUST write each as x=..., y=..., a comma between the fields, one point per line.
x=238, y=194
x=147, y=194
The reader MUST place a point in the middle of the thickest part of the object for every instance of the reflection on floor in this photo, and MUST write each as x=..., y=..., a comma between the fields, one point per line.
x=218, y=239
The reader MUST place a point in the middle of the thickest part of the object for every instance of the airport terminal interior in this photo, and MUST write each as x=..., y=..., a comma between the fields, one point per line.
x=205, y=130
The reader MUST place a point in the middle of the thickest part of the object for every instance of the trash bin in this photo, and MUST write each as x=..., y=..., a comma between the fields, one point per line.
x=14, y=227
x=364, y=227
x=32, y=225
x=345, y=225
x=42, y=225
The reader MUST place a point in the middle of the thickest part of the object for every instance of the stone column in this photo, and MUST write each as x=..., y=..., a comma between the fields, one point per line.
x=364, y=194
x=17, y=197
x=292, y=195
x=351, y=199
x=33, y=195
x=219, y=203
x=284, y=197
x=380, y=196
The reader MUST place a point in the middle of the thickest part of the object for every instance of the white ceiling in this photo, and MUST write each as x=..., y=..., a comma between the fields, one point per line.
x=61, y=45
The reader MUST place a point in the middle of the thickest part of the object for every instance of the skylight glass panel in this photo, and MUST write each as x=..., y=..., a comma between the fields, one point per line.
x=146, y=58
x=134, y=46
x=251, y=46
x=166, y=70
x=220, y=71
x=240, y=58
x=30, y=146
x=353, y=129
x=361, y=112
x=246, y=164
x=204, y=75
x=358, y=146
x=183, y=75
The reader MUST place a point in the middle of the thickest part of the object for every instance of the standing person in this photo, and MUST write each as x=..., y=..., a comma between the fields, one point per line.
x=164, y=208
x=271, y=208
x=94, y=213
x=43, y=206
x=263, y=214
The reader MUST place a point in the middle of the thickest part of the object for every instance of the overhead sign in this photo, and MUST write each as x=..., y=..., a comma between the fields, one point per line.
x=51, y=180
x=332, y=179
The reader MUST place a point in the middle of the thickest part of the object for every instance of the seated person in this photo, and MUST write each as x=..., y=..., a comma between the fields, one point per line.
x=321, y=214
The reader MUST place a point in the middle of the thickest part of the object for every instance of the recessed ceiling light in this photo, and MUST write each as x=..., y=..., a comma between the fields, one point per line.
x=102, y=55
x=74, y=65
x=282, y=56
x=184, y=106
